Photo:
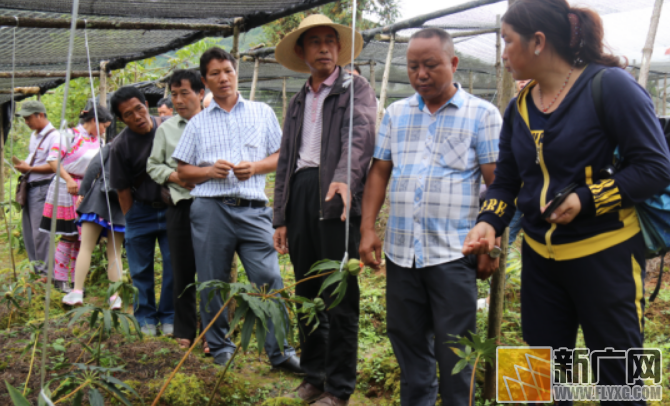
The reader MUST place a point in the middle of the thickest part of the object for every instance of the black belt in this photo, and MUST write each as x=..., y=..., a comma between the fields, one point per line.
x=237, y=202
x=154, y=205
x=39, y=182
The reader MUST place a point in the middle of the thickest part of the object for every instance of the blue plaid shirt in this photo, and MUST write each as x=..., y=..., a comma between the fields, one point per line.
x=436, y=175
x=250, y=132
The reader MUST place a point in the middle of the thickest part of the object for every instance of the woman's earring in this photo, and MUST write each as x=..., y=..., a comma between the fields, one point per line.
x=537, y=52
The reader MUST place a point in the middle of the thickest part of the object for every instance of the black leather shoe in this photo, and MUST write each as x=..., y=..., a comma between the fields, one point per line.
x=291, y=365
x=223, y=358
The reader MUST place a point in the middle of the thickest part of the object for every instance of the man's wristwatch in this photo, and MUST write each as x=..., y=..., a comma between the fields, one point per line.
x=495, y=252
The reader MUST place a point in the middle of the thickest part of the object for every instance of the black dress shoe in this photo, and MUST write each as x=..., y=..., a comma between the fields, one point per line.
x=222, y=358
x=291, y=365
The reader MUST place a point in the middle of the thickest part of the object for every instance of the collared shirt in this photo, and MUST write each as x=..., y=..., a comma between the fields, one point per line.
x=161, y=164
x=42, y=154
x=309, y=155
x=249, y=132
x=128, y=164
x=436, y=174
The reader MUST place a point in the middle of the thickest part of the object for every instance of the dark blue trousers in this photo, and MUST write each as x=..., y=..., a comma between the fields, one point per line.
x=603, y=293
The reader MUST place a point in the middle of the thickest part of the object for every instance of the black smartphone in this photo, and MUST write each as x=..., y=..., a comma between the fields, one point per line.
x=558, y=200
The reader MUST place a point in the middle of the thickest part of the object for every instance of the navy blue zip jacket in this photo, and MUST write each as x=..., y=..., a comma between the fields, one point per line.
x=535, y=164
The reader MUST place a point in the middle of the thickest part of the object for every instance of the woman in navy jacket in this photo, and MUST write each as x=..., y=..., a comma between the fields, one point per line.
x=584, y=265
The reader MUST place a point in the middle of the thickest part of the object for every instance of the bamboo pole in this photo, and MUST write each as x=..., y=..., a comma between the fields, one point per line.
x=496, y=308
x=373, y=81
x=22, y=90
x=649, y=44
x=45, y=74
x=419, y=20
x=665, y=92
x=283, y=102
x=404, y=40
x=32, y=22
x=385, y=82
x=254, y=80
x=235, y=51
x=102, y=92
x=2, y=165
x=498, y=64
x=657, y=102
x=472, y=85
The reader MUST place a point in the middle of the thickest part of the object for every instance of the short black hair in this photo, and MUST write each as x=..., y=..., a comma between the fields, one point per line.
x=301, y=39
x=215, y=53
x=167, y=101
x=124, y=94
x=192, y=76
x=104, y=116
x=353, y=66
x=432, y=32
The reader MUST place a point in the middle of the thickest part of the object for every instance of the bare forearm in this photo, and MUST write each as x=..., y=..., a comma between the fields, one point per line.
x=192, y=173
x=488, y=173
x=267, y=165
x=46, y=168
x=53, y=165
x=375, y=192
x=125, y=200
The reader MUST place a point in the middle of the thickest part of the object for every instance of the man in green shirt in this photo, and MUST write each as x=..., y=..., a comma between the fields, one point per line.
x=187, y=93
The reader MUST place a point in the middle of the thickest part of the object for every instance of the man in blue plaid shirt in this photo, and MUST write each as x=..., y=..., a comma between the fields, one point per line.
x=434, y=147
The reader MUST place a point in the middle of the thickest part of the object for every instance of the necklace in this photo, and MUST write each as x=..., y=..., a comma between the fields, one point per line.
x=544, y=110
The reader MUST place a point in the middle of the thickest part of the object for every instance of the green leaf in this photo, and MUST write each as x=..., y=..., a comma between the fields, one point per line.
x=279, y=322
x=108, y=320
x=335, y=277
x=122, y=384
x=120, y=395
x=247, y=329
x=324, y=265
x=341, y=291
x=459, y=366
x=95, y=398
x=17, y=397
x=76, y=314
x=241, y=311
x=78, y=398
x=260, y=334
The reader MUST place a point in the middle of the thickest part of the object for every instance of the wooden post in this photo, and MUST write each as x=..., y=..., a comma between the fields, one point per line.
x=385, y=81
x=649, y=45
x=472, y=85
x=102, y=92
x=495, y=314
x=254, y=80
x=498, y=64
x=284, y=102
x=665, y=92
x=235, y=51
x=373, y=81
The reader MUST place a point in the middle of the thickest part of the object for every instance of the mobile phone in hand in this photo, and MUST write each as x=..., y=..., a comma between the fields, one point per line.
x=558, y=200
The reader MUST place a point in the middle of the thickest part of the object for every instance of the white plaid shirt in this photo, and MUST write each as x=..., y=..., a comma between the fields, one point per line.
x=250, y=132
x=436, y=175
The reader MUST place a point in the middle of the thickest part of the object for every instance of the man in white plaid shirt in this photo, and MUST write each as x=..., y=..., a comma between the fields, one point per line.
x=434, y=147
x=226, y=150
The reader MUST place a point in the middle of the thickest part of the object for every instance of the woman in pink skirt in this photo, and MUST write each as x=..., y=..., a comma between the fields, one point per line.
x=76, y=147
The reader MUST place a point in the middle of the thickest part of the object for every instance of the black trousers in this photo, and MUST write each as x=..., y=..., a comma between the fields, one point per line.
x=183, y=269
x=329, y=354
x=426, y=307
x=603, y=292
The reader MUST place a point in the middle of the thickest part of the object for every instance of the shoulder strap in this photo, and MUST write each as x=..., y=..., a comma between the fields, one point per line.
x=32, y=160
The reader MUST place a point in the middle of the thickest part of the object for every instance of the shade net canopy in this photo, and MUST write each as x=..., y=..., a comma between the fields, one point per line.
x=45, y=49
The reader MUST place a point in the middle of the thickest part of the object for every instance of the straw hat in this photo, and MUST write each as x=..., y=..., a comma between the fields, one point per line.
x=285, y=53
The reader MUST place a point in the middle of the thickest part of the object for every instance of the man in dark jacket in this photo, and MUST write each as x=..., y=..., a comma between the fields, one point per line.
x=311, y=193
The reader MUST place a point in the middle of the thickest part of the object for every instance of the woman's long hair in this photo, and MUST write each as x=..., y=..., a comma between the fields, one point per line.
x=578, y=43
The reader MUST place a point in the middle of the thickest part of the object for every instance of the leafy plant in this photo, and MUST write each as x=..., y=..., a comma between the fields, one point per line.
x=95, y=379
x=476, y=350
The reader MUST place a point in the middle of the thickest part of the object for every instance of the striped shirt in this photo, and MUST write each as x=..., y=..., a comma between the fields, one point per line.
x=249, y=132
x=309, y=155
x=436, y=174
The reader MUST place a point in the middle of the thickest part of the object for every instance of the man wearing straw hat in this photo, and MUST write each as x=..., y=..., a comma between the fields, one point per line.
x=311, y=193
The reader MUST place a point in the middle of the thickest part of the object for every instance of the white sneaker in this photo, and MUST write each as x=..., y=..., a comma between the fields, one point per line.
x=115, y=302
x=74, y=298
